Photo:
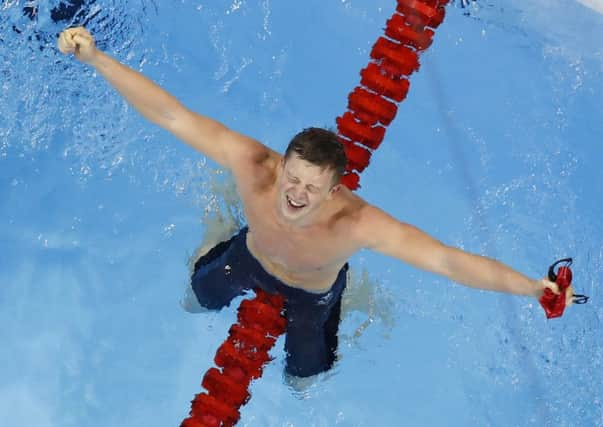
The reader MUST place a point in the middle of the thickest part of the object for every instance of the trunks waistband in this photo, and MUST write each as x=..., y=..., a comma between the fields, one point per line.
x=272, y=284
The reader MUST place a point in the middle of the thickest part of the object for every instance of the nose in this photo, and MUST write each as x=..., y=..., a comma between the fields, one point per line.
x=297, y=191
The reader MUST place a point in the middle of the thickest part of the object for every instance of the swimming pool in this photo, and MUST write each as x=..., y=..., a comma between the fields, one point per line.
x=496, y=149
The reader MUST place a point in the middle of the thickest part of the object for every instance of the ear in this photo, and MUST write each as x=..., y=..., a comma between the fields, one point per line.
x=334, y=189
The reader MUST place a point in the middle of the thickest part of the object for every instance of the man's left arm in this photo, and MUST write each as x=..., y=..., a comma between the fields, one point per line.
x=383, y=233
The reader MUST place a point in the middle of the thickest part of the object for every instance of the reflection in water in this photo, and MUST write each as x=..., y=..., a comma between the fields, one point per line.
x=73, y=11
x=372, y=300
x=56, y=110
x=222, y=212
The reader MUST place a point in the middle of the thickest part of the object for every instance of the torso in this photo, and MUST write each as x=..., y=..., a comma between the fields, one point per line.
x=310, y=257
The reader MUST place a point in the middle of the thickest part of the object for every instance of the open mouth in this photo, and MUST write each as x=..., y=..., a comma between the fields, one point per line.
x=294, y=204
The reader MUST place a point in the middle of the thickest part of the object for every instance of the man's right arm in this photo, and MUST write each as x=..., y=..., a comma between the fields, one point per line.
x=212, y=138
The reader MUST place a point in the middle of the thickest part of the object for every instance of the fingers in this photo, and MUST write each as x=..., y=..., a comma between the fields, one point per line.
x=569, y=296
x=554, y=287
x=569, y=292
x=82, y=39
x=72, y=38
x=65, y=43
x=551, y=285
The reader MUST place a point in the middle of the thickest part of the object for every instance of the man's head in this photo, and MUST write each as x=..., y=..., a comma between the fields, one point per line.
x=311, y=170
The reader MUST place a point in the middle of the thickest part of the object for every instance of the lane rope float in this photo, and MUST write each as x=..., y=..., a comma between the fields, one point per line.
x=242, y=357
x=372, y=106
x=384, y=82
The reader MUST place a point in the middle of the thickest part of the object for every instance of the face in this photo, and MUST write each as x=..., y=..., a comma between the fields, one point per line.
x=302, y=189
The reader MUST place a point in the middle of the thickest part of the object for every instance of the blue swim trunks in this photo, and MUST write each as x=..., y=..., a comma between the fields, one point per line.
x=229, y=270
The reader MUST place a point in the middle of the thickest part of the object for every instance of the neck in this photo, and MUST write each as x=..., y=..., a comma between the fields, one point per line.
x=298, y=224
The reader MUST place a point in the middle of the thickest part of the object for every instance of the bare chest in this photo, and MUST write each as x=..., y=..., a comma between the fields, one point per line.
x=310, y=258
x=308, y=250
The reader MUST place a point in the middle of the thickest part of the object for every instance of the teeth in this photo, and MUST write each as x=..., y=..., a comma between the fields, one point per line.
x=294, y=204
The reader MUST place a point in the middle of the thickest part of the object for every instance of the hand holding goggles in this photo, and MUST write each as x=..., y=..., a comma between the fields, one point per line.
x=554, y=304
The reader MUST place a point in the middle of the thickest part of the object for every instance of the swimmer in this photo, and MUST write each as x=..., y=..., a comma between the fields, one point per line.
x=302, y=224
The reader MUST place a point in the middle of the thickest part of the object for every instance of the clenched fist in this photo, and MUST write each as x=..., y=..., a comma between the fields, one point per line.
x=79, y=42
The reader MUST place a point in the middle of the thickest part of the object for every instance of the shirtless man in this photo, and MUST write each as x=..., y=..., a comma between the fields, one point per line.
x=302, y=224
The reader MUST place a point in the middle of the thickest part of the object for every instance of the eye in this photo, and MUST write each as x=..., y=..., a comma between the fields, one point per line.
x=312, y=189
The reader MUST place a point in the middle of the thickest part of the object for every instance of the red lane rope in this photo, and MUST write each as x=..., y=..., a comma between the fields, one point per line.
x=371, y=108
x=241, y=357
x=384, y=82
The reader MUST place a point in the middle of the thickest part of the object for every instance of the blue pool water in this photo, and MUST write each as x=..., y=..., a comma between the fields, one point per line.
x=496, y=150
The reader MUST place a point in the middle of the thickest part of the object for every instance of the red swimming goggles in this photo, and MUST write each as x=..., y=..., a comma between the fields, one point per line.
x=554, y=304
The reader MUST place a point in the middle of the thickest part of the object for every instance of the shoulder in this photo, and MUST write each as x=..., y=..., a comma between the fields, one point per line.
x=249, y=152
x=255, y=168
x=367, y=224
x=349, y=211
